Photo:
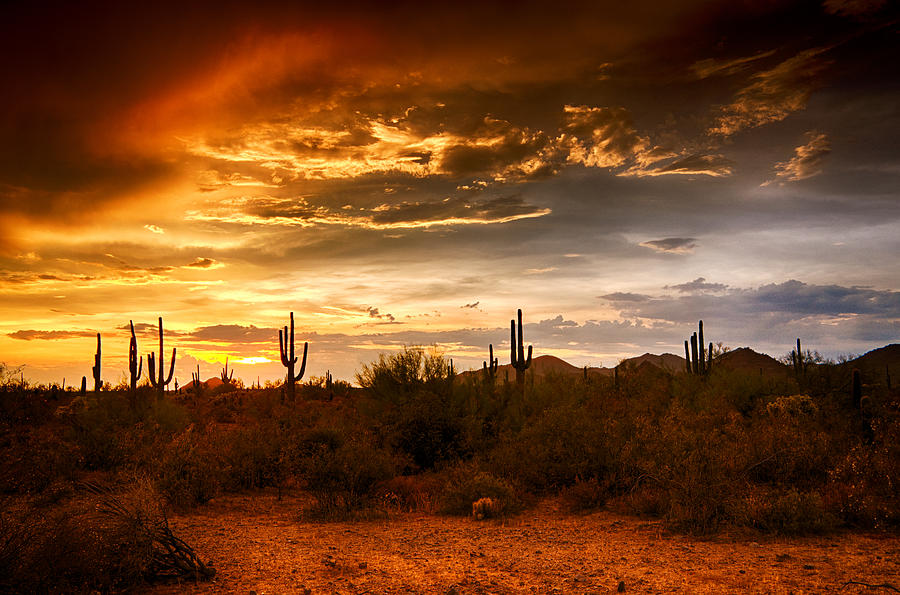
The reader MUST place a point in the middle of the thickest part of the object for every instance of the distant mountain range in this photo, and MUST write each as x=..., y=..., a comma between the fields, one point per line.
x=872, y=364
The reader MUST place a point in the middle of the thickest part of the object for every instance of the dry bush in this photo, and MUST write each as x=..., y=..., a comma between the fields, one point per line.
x=190, y=471
x=102, y=540
x=465, y=485
x=410, y=493
x=586, y=494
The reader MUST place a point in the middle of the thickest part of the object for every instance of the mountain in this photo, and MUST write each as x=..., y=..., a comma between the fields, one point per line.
x=666, y=361
x=875, y=364
x=747, y=360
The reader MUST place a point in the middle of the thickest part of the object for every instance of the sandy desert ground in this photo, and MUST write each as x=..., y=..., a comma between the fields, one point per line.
x=261, y=545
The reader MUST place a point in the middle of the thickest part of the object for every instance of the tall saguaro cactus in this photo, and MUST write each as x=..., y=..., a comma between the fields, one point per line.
x=798, y=361
x=226, y=379
x=160, y=382
x=491, y=366
x=517, y=351
x=135, y=362
x=698, y=360
x=288, y=359
x=96, y=369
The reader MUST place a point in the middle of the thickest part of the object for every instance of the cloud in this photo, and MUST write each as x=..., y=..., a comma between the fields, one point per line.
x=785, y=302
x=233, y=333
x=697, y=164
x=774, y=94
x=374, y=313
x=625, y=297
x=204, y=263
x=457, y=210
x=31, y=335
x=154, y=229
x=698, y=285
x=807, y=160
x=600, y=136
x=710, y=67
x=672, y=245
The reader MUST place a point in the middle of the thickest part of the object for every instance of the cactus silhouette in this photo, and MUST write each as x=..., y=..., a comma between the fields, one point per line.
x=226, y=379
x=196, y=381
x=135, y=363
x=799, y=362
x=490, y=366
x=698, y=360
x=288, y=359
x=96, y=369
x=857, y=389
x=517, y=351
x=160, y=382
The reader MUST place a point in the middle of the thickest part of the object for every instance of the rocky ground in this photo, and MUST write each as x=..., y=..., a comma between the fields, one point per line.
x=259, y=545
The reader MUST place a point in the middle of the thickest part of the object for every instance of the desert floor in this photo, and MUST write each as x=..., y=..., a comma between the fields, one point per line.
x=260, y=545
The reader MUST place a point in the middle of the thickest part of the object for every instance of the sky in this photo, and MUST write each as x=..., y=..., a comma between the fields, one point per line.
x=409, y=173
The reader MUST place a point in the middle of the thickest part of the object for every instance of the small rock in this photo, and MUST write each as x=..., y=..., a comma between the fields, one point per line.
x=621, y=587
x=808, y=567
x=363, y=565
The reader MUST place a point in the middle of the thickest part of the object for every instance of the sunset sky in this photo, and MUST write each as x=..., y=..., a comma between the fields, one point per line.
x=412, y=174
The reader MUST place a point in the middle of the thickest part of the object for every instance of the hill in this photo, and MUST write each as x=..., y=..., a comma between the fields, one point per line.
x=746, y=360
x=875, y=364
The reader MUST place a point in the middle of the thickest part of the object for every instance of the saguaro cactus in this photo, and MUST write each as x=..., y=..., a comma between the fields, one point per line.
x=798, y=361
x=697, y=359
x=226, y=379
x=288, y=360
x=517, y=351
x=96, y=369
x=159, y=382
x=490, y=366
x=135, y=363
x=195, y=377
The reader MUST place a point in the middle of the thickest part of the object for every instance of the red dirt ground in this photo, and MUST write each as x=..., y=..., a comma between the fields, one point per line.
x=261, y=545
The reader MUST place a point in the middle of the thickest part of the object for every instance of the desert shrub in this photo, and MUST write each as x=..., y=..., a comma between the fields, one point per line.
x=95, y=425
x=787, y=444
x=690, y=465
x=341, y=475
x=864, y=486
x=408, y=493
x=398, y=378
x=586, y=494
x=465, y=485
x=99, y=541
x=33, y=459
x=430, y=430
x=254, y=457
x=191, y=470
x=556, y=448
x=794, y=513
